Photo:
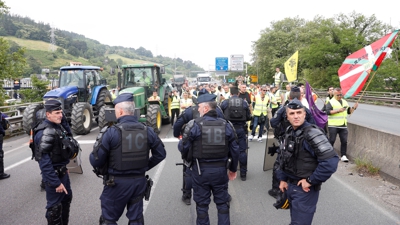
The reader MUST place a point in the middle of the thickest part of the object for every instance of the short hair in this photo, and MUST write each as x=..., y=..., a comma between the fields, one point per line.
x=127, y=107
x=234, y=90
x=293, y=95
x=212, y=105
x=300, y=84
x=329, y=88
x=338, y=89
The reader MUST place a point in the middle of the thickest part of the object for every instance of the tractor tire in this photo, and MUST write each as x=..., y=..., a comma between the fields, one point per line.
x=29, y=117
x=101, y=120
x=81, y=118
x=104, y=96
x=166, y=120
x=153, y=117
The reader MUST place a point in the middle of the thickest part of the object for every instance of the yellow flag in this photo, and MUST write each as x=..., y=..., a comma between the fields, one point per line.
x=291, y=67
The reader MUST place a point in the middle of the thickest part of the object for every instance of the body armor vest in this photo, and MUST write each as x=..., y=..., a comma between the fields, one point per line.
x=235, y=111
x=295, y=159
x=53, y=137
x=132, y=152
x=212, y=144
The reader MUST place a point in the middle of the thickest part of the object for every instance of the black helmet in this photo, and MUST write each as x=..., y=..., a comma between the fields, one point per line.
x=282, y=201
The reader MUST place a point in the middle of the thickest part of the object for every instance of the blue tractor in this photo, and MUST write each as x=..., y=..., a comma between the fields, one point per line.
x=82, y=92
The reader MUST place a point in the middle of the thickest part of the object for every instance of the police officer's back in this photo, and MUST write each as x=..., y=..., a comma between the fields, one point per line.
x=121, y=155
x=207, y=143
x=237, y=111
x=190, y=113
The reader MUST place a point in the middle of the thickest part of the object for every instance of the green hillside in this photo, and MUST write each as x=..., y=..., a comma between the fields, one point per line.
x=23, y=32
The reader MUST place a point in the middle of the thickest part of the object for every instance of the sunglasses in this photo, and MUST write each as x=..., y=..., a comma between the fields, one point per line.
x=339, y=95
x=264, y=90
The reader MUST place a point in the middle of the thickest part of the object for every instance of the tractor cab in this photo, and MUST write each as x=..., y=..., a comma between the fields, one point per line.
x=85, y=79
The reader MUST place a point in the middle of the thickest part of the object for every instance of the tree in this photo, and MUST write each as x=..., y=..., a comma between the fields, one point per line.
x=39, y=89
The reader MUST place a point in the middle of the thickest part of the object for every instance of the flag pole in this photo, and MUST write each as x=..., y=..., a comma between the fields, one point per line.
x=362, y=94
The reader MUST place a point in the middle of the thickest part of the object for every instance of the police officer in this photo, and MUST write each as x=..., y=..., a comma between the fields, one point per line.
x=280, y=123
x=53, y=159
x=121, y=154
x=207, y=143
x=2, y=134
x=237, y=111
x=306, y=161
x=188, y=114
x=41, y=116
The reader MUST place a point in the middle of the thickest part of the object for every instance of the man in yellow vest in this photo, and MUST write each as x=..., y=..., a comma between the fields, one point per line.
x=277, y=77
x=274, y=101
x=260, y=113
x=337, y=110
x=175, y=105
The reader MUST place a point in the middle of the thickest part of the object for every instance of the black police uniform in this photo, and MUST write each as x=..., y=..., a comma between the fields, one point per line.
x=307, y=154
x=237, y=111
x=41, y=116
x=122, y=150
x=214, y=140
x=188, y=114
x=280, y=123
x=53, y=159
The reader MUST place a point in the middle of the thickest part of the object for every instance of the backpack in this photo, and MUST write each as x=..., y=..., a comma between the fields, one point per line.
x=4, y=123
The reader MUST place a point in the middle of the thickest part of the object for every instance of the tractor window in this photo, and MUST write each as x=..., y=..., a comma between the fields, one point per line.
x=137, y=77
x=71, y=78
x=90, y=78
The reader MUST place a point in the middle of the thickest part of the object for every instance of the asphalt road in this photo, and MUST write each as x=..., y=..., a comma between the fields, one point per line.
x=22, y=202
x=382, y=118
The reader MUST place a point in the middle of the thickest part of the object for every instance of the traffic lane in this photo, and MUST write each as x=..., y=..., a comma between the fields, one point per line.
x=382, y=118
x=250, y=205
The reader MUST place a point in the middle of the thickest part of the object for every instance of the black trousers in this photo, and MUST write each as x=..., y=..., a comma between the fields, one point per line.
x=343, y=133
x=173, y=113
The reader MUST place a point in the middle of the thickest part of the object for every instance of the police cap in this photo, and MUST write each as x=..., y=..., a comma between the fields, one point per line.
x=282, y=201
x=295, y=104
x=206, y=98
x=125, y=97
x=202, y=91
x=52, y=105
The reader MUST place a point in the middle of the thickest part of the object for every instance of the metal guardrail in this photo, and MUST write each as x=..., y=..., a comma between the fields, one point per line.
x=15, y=115
x=379, y=98
x=15, y=112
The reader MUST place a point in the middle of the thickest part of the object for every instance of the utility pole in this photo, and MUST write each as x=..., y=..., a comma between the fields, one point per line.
x=52, y=46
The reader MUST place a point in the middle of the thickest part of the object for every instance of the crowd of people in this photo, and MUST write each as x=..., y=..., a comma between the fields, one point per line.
x=214, y=125
x=306, y=160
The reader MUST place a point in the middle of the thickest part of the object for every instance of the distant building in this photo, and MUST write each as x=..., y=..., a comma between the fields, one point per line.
x=75, y=63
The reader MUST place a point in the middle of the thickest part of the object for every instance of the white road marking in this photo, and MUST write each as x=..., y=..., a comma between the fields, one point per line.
x=17, y=164
x=155, y=180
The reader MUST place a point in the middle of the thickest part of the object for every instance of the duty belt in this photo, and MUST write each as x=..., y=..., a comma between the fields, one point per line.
x=60, y=170
x=212, y=164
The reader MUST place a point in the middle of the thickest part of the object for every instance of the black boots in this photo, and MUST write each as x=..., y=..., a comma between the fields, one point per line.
x=4, y=176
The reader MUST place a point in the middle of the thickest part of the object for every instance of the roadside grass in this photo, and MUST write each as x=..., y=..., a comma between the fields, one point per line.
x=365, y=166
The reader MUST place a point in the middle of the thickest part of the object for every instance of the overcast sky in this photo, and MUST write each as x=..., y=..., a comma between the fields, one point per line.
x=198, y=31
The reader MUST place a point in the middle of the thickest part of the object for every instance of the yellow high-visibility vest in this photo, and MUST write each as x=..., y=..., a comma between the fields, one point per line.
x=261, y=106
x=278, y=96
x=338, y=119
x=273, y=99
x=175, y=104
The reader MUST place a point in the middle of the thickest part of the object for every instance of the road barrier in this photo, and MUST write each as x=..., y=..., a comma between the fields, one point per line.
x=378, y=147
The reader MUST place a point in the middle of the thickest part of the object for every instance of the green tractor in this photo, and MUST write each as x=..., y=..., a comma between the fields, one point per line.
x=141, y=80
